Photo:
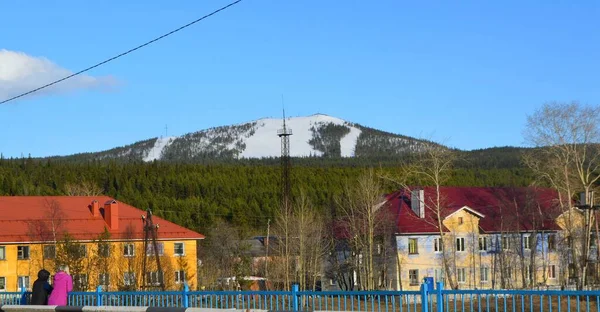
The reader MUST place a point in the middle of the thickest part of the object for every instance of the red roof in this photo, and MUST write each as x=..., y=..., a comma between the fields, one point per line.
x=503, y=209
x=20, y=215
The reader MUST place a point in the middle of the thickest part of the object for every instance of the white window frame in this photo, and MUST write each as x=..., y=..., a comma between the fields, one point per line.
x=416, y=245
x=150, y=249
x=460, y=244
x=179, y=277
x=552, y=271
x=23, y=252
x=104, y=279
x=129, y=250
x=527, y=242
x=182, y=249
x=3, y=283
x=129, y=278
x=505, y=242
x=484, y=240
x=461, y=275
x=3, y=253
x=484, y=273
x=416, y=275
x=21, y=284
x=154, y=278
x=438, y=245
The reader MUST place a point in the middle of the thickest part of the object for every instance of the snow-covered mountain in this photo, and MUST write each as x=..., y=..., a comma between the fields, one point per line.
x=315, y=135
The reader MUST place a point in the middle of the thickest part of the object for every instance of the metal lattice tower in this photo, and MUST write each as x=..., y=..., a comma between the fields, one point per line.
x=286, y=188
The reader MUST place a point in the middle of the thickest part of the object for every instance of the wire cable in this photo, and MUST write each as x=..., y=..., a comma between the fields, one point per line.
x=122, y=54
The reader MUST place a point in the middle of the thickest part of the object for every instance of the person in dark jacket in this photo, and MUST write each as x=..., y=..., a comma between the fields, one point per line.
x=41, y=288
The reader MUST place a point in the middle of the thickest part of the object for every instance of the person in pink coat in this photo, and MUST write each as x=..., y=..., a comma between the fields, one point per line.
x=63, y=284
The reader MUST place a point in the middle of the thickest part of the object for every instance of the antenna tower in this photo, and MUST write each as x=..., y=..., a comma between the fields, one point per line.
x=286, y=189
x=150, y=230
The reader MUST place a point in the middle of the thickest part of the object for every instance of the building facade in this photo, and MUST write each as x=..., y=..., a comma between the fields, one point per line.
x=477, y=237
x=101, y=239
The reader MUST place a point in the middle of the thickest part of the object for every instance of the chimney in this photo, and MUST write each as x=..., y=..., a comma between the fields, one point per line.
x=95, y=208
x=417, y=202
x=111, y=214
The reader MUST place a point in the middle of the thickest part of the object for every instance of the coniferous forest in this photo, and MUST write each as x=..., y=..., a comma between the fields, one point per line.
x=243, y=193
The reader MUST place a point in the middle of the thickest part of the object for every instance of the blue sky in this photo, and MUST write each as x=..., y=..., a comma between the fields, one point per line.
x=466, y=73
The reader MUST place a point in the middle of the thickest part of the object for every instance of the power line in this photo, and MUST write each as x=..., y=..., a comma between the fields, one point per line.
x=122, y=54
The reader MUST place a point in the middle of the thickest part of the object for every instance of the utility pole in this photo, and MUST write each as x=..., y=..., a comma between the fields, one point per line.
x=267, y=254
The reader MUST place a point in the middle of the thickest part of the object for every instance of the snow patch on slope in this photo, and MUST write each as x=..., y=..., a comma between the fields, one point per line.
x=155, y=152
x=348, y=142
x=266, y=143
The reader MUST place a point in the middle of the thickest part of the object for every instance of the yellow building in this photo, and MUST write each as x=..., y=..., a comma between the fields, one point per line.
x=101, y=239
x=477, y=237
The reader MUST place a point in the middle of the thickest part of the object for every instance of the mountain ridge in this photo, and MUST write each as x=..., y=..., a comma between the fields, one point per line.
x=316, y=135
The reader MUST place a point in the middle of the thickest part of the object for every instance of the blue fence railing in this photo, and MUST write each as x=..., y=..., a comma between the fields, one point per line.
x=424, y=300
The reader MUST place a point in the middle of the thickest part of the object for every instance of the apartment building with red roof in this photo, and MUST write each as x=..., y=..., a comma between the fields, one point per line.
x=109, y=234
x=477, y=237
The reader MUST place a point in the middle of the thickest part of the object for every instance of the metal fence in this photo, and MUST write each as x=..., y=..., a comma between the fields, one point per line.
x=427, y=299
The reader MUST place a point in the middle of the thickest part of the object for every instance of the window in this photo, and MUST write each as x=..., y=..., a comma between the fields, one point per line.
x=104, y=250
x=129, y=278
x=438, y=245
x=154, y=278
x=179, y=250
x=22, y=252
x=483, y=274
x=128, y=250
x=483, y=245
x=104, y=279
x=2, y=283
x=528, y=273
x=505, y=242
x=82, y=251
x=461, y=275
x=413, y=277
x=2, y=253
x=551, y=242
x=80, y=282
x=49, y=252
x=460, y=220
x=552, y=271
x=23, y=282
x=527, y=242
x=572, y=270
x=412, y=246
x=460, y=244
x=439, y=275
x=180, y=277
x=150, y=249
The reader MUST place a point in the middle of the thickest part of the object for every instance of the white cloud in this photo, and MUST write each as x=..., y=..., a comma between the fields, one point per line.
x=20, y=73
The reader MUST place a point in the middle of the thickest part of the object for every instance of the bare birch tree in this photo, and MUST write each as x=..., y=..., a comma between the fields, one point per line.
x=360, y=207
x=434, y=168
x=566, y=137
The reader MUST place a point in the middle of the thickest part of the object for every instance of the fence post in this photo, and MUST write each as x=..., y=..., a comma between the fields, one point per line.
x=295, y=289
x=184, y=295
x=99, y=295
x=424, y=294
x=23, y=299
x=440, y=297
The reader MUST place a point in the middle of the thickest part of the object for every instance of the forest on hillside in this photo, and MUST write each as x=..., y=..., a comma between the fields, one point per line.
x=244, y=194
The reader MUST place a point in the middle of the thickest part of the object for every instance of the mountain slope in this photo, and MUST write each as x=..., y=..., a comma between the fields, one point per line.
x=313, y=136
